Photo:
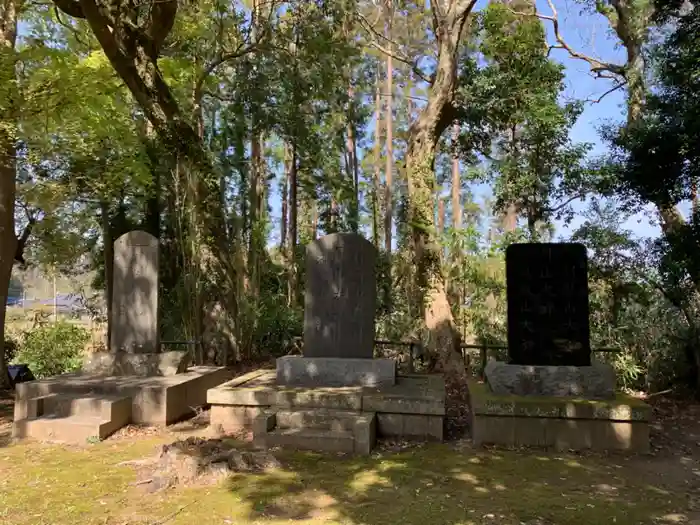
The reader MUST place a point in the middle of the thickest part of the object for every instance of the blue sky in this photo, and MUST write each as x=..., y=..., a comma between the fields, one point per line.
x=590, y=34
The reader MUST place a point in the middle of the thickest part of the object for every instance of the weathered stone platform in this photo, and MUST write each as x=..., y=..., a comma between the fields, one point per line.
x=564, y=423
x=592, y=382
x=335, y=371
x=100, y=405
x=329, y=418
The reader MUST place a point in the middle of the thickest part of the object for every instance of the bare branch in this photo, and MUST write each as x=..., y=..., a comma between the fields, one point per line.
x=76, y=33
x=374, y=41
x=22, y=240
x=597, y=66
x=463, y=8
x=611, y=90
x=211, y=67
x=70, y=7
x=568, y=201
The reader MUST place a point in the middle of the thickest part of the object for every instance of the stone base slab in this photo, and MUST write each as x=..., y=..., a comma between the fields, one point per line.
x=142, y=365
x=560, y=423
x=594, y=382
x=413, y=408
x=160, y=400
x=335, y=371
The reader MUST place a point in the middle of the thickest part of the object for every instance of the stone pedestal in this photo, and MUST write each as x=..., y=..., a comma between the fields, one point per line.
x=141, y=365
x=591, y=382
x=335, y=371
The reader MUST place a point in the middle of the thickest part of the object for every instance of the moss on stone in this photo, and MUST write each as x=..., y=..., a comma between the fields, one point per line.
x=622, y=408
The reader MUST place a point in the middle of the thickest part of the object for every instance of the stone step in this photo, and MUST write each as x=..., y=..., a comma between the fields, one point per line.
x=337, y=420
x=107, y=407
x=72, y=429
x=311, y=439
x=310, y=429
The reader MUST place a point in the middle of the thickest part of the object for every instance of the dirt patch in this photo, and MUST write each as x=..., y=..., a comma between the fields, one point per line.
x=7, y=406
x=196, y=461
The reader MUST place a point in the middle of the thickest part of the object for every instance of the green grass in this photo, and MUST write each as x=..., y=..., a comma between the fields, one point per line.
x=430, y=485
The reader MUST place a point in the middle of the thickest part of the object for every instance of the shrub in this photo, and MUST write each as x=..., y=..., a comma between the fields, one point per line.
x=53, y=349
x=10, y=349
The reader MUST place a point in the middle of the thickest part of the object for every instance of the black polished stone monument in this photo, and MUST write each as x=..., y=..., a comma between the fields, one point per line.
x=549, y=346
x=547, y=291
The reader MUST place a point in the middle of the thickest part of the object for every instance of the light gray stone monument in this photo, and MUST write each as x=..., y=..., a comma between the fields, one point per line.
x=339, y=309
x=135, y=294
x=134, y=343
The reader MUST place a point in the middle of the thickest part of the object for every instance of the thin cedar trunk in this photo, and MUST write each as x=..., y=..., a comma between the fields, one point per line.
x=353, y=173
x=351, y=164
x=441, y=214
x=293, y=223
x=509, y=218
x=314, y=220
x=109, y=264
x=377, y=158
x=456, y=182
x=284, y=222
x=389, y=115
x=255, y=210
x=152, y=215
x=256, y=179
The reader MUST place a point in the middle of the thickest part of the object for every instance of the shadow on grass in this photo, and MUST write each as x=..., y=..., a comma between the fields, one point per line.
x=437, y=484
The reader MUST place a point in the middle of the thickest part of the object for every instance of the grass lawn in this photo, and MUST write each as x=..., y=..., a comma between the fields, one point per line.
x=434, y=484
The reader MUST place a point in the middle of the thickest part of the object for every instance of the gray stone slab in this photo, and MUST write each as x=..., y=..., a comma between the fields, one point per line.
x=143, y=365
x=334, y=371
x=135, y=294
x=340, y=298
x=593, y=382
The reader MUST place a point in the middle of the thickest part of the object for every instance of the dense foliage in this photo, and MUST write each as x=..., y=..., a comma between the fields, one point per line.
x=239, y=132
x=53, y=349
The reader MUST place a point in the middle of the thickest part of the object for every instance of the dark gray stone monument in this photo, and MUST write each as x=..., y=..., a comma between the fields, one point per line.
x=340, y=298
x=134, y=347
x=548, y=326
x=339, y=309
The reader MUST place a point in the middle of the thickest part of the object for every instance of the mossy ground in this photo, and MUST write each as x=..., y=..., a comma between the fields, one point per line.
x=428, y=485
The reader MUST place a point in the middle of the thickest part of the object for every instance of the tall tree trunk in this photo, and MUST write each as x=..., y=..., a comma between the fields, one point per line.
x=377, y=157
x=389, y=168
x=293, y=223
x=256, y=211
x=9, y=98
x=424, y=134
x=353, y=170
x=456, y=181
x=257, y=179
x=284, y=222
x=108, y=242
x=152, y=215
x=441, y=214
x=314, y=220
